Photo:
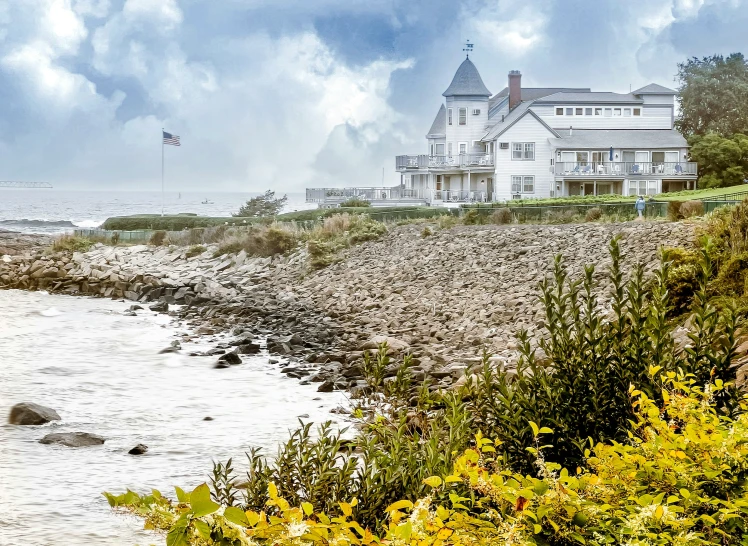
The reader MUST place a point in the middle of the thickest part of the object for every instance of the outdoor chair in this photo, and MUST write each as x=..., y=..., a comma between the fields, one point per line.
x=635, y=169
x=678, y=169
x=586, y=169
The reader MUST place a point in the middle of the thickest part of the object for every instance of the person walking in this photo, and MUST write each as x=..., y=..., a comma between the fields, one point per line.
x=640, y=206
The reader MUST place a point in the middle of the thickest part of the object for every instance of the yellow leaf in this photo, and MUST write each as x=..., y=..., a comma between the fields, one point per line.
x=452, y=479
x=399, y=505
x=272, y=491
x=433, y=481
x=346, y=508
x=659, y=511
x=253, y=517
x=535, y=428
x=307, y=507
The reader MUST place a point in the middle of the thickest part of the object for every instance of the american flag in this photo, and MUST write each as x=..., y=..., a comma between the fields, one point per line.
x=171, y=139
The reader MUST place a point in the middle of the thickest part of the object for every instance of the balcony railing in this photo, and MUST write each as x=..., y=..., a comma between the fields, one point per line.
x=338, y=195
x=460, y=196
x=625, y=168
x=461, y=161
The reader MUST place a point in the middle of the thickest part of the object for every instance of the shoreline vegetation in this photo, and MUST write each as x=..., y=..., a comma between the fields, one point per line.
x=604, y=406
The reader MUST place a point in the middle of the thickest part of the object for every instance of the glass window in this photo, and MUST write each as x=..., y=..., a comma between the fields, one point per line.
x=523, y=150
x=440, y=149
x=528, y=184
x=449, y=116
x=432, y=149
x=588, y=111
x=529, y=151
x=616, y=112
x=516, y=150
x=463, y=147
x=516, y=184
x=651, y=187
x=627, y=112
x=582, y=157
x=608, y=112
x=570, y=111
x=598, y=111
x=559, y=111
x=463, y=116
x=578, y=111
x=637, y=111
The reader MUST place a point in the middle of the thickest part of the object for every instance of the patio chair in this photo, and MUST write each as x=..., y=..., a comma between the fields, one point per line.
x=575, y=170
x=635, y=169
x=586, y=169
x=678, y=169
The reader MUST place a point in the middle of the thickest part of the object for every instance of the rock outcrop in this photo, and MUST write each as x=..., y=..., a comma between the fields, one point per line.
x=28, y=413
x=73, y=439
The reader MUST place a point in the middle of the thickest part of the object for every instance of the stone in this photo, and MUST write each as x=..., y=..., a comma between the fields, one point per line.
x=73, y=439
x=393, y=344
x=249, y=349
x=138, y=449
x=28, y=413
x=169, y=350
x=327, y=386
x=230, y=358
x=159, y=307
x=208, y=418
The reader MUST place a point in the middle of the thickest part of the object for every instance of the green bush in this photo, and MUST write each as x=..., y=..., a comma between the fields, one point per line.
x=426, y=232
x=72, y=243
x=195, y=250
x=158, y=238
x=502, y=216
x=472, y=217
x=259, y=241
x=356, y=203
x=689, y=209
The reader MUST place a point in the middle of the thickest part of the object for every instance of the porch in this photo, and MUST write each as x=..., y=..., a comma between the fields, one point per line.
x=624, y=168
x=596, y=185
x=405, y=163
x=377, y=196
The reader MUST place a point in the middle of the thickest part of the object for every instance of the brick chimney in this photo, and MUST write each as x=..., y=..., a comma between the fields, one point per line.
x=515, y=88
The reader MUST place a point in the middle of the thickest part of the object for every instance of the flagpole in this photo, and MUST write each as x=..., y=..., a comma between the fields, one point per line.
x=162, y=171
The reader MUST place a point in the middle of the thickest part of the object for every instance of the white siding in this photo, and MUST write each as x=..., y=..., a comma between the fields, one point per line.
x=658, y=99
x=475, y=127
x=651, y=118
x=527, y=129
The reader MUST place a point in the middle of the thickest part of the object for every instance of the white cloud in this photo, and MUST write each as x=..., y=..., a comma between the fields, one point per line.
x=157, y=11
x=512, y=28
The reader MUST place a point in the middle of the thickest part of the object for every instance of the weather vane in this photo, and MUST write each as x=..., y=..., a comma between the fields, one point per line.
x=468, y=49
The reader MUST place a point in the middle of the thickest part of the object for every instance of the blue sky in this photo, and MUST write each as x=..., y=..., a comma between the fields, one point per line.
x=285, y=94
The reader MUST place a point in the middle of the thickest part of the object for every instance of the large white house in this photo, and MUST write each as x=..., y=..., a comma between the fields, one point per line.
x=547, y=142
x=529, y=142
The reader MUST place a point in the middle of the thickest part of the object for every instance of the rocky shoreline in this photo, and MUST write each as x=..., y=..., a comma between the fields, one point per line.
x=444, y=297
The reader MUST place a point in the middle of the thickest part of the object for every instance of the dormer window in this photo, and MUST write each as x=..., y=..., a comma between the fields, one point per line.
x=637, y=111
x=463, y=116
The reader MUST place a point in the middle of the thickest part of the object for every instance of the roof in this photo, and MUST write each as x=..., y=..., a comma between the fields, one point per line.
x=439, y=127
x=513, y=117
x=467, y=81
x=619, y=138
x=533, y=93
x=590, y=97
x=654, y=89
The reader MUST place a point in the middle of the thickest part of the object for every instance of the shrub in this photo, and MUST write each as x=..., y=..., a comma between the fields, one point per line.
x=502, y=216
x=673, y=211
x=197, y=236
x=338, y=232
x=158, y=238
x=72, y=243
x=472, y=217
x=258, y=241
x=563, y=216
x=195, y=250
x=426, y=232
x=692, y=208
x=593, y=214
x=355, y=202
x=262, y=205
x=447, y=221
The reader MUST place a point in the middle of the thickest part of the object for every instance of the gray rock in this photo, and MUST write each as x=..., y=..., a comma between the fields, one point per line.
x=28, y=413
x=208, y=418
x=138, y=449
x=73, y=439
x=230, y=358
x=159, y=307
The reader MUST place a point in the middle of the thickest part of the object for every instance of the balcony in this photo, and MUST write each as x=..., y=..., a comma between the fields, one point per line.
x=379, y=196
x=625, y=169
x=443, y=162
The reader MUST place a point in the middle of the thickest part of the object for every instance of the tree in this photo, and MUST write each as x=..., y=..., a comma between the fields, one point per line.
x=713, y=95
x=262, y=205
x=722, y=161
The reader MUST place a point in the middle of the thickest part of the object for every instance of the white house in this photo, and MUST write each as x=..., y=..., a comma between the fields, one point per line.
x=546, y=142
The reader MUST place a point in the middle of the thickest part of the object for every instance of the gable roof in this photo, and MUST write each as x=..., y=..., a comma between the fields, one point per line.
x=467, y=81
x=439, y=127
x=619, y=138
x=533, y=93
x=654, y=89
x=520, y=111
x=590, y=97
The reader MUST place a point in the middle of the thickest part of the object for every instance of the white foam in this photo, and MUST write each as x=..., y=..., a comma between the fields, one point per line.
x=88, y=223
x=51, y=312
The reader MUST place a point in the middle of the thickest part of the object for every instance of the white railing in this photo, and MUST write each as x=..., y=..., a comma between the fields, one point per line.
x=460, y=161
x=339, y=195
x=625, y=168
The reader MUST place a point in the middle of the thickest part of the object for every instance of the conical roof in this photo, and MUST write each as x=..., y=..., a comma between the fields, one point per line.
x=439, y=127
x=467, y=81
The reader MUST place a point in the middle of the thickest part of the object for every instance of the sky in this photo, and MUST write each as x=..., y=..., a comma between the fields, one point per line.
x=288, y=94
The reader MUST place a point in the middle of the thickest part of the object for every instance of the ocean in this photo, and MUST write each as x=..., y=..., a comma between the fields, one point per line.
x=60, y=211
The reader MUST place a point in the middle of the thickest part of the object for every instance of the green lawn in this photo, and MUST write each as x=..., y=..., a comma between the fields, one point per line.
x=702, y=194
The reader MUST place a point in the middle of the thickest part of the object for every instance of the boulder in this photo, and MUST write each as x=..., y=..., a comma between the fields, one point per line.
x=230, y=358
x=138, y=449
x=159, y=307
x=28, y=413
x=73, y=439
x=248, y=349
x=393, y=344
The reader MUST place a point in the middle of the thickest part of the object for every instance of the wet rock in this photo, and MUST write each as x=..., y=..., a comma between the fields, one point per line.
x=327, y=386
x=159, y=307
x=135, y=308
x=216, y=351
x=208, y=418
x=230, y=358
x=73, y=439
x=28, y=413
x=138, y=449
x=169, y=350
x=249, y=349
x=221, y=364
x=393, y=344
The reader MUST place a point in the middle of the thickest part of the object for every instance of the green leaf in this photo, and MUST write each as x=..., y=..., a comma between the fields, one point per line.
x=177, y=535
x=202, y=528
x=201, y=503
x=433, y=481
x=236, y=515
x=182, y=497
x=579, y=519
x=307, y=507
x=399, y=505
x=535, y=429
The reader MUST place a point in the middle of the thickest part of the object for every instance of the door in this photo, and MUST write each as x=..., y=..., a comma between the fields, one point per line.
x=642, y=159
x=598, y=162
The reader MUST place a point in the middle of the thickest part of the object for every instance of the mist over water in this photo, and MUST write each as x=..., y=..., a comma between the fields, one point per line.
x=101, y=371
x=60, y=211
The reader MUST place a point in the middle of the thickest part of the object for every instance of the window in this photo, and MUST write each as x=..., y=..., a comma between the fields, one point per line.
x=598, y=111
x=637, y=111
x=449, y=116
x=528, y=184
x=642, y=187
x=463, y=147
x=559, y=111
x=570, y=111
x=627, y=112
x=440, y=149
x=516, y=184
x=432, y=150
x=449, y=149
x=616, y=112
x=608, y=112
x=523, y=151
x=463, y=116
x=476, y=112
x=588, y=111
x=578, y=111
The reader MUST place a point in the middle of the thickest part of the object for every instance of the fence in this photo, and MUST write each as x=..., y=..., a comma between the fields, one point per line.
x=136, y=236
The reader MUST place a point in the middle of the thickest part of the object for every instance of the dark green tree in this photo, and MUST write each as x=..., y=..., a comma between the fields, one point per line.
x=722, y=161
x=263, y=205
x=713, y=95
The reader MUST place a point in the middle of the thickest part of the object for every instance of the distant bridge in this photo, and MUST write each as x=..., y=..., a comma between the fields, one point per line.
x=10, y=184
